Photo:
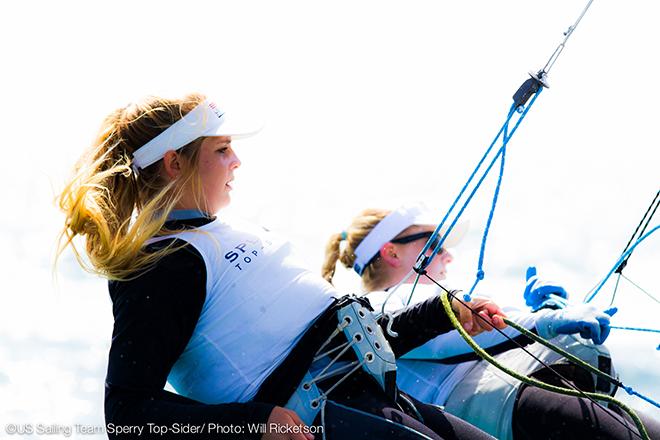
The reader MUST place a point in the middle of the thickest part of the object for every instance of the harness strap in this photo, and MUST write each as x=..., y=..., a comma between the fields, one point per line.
x=373, y=353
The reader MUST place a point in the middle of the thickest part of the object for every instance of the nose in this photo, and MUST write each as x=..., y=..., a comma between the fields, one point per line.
x=235, y=162
x=447, y=257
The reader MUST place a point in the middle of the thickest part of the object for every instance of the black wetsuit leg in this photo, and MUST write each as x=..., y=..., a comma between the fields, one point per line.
x=540, y=414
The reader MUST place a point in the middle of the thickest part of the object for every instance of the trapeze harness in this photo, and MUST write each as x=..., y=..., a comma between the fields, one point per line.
x=259, y=302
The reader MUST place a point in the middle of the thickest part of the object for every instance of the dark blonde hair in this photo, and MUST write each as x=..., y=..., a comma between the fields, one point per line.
x=372, y=277
x=115, y=209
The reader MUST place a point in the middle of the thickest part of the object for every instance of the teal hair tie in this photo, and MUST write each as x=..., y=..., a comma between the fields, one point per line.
x=344, y=235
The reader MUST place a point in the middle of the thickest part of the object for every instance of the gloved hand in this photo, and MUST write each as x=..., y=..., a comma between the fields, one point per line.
x=584, y=319
x=539, y=294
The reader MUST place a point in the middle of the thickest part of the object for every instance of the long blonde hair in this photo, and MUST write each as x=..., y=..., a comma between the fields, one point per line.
x=115, y=209
x=373, y=275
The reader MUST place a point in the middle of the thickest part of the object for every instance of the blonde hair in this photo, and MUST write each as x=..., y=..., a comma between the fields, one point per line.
x=373, y=275
x=115, y=209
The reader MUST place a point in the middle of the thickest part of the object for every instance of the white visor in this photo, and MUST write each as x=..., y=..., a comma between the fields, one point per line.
x=393, y=224
x=204, y=120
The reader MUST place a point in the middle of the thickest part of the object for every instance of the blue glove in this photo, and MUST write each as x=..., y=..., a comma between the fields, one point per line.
x=539, y=294
x=584, y=319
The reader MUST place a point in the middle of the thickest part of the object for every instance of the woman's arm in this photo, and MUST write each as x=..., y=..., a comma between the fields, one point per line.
x=452, y=348
x=587, y=320
x=155, y=316
x=425, y=320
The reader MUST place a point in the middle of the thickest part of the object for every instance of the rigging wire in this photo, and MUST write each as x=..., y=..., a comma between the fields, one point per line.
x=653, y=297
x=619, y=270
x=567, y=35
x=656, y=202
x=627, y=253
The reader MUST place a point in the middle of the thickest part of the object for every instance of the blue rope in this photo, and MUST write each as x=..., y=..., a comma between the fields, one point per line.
x=623, y=256
x=480, y=266
x=632, y=392
x=637, y=329
x=424, y=261
x=436, y=232
x=463, y=207
x=506, y=136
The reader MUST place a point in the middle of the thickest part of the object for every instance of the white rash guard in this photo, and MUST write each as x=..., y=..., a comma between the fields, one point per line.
x=259, y=301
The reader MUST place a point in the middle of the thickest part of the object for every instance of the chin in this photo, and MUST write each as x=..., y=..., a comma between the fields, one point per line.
x=223, y=202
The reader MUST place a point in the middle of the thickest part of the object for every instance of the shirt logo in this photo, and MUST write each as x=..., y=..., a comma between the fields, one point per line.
x=245, y=252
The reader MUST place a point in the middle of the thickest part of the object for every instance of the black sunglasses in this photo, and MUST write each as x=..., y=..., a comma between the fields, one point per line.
x=420, y=235
x=409, y=239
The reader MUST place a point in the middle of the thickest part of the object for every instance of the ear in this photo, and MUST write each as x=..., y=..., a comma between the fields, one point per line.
x=172, y=165
x=389, y=256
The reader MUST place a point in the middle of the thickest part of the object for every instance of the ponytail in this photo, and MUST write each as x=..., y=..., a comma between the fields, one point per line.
x=360, y=227
x=331, y=257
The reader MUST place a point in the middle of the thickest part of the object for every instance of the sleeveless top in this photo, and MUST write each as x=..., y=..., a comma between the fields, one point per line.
x=259, y=301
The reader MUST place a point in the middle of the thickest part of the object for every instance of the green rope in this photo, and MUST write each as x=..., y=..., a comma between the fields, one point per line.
x=533, y=382
x=561, y=351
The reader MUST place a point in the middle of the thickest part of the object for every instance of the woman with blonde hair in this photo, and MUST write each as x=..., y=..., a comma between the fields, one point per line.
x=255, y=344
x=382, y=247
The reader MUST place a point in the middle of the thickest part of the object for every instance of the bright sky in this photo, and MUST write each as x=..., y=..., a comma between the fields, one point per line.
x=368, y=103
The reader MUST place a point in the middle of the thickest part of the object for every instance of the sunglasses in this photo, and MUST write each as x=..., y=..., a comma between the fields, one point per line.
x=409, y=239
x=420, y=235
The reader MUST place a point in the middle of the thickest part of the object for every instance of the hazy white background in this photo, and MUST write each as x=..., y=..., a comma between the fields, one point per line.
x=367, y=103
